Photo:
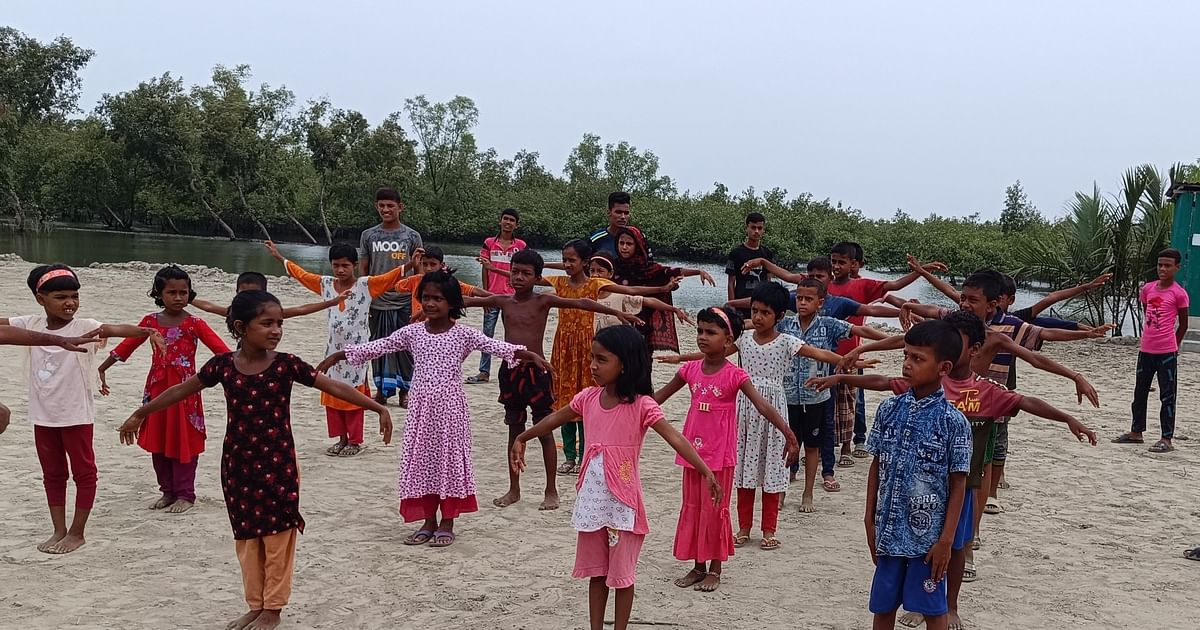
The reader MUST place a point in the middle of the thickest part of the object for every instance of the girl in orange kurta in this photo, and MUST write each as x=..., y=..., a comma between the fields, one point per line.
x=174, y=437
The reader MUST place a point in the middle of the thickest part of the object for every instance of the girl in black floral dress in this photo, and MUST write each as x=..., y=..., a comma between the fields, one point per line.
x=259, y=474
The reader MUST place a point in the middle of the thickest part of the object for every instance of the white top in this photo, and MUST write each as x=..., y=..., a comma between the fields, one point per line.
x=61, y=382
x=631, y=304
x=595, y=506
x=348, y=325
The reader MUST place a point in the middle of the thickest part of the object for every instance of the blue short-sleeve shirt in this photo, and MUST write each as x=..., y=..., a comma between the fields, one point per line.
x=919, y=443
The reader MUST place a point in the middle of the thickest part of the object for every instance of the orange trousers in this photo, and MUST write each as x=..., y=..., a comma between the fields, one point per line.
x=267, y=565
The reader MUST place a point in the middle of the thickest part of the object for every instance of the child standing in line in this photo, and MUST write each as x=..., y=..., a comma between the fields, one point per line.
x=429, y=260
x=13, y=336
x=259, y=473
x=917, y=482
x=610, y=517
x=347, y=325
x=497, y=254
x=175, y=436
x=61, y=407
x=436, y=474
x=601, y=266
x=704, y=532
x=1166, y=305
x=255, y=281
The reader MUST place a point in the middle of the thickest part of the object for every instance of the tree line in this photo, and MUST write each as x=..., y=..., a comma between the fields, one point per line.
x=234, y=159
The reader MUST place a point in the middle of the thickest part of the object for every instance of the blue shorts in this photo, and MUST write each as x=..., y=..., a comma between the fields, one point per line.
x=964, y=533
x=906, y=581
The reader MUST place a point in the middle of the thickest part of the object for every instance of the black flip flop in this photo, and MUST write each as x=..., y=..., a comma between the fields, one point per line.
x=1192, y=554
x=1125, y=439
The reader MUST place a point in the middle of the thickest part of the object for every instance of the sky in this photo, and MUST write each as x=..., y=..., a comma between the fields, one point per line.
x=929, y=106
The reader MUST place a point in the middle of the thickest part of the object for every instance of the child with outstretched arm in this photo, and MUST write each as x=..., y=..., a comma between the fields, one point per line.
x=255, y=281
x=14, y=336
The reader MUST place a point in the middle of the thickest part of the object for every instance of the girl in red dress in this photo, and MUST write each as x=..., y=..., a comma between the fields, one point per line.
x=175, y=436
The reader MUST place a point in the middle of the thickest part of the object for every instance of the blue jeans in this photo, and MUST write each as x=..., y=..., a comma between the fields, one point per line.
x=490, y=317
x=860, y=418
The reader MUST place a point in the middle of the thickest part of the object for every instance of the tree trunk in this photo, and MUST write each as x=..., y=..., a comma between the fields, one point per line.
x=321, y=210
x=171, y=222
x=266, y=234
x=303, y=229
x=213, y=213
x=121, y=224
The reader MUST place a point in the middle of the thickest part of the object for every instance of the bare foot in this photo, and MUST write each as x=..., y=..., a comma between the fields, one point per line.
x=243, y=621
x=695, y=576
x=550, y=502
x=709, y=584
x=179, y=507
x=266, y=621
x=806, y=504
x=506, y=500
x=162, y=502
x=911, y=619
x=69, y=543
x=51, y=541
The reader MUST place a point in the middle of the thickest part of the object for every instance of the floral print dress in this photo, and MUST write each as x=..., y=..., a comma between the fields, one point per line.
x=760, y=446
x=177, y=432
x=571, y=354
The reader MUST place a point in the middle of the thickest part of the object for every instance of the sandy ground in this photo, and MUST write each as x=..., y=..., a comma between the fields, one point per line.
x=1092, y=537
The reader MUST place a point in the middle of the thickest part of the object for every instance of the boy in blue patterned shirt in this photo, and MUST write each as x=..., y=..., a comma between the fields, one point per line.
x=922, y=452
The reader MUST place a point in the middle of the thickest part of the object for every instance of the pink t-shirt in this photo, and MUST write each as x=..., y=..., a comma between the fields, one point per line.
x=501, y=258
x=617, y=434
x=711, y=424
x=1162, y=312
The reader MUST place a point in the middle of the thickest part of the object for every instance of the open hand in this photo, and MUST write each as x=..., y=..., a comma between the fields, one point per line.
x=330, y=361
x=385, y=426
x=103, y=384
x=671, y=359
x=752, y=264
x=821, y=383
x=1099, y=280
x=130, y=429
x=706, y=278
x=273, y=250
x=1100, y=331
x=714, y=488
x=516, y=457
x=684, y=317
x=630, y=318
x=849, y=360
x=76, y=344
x=1081, y=431
x=938, y=559
x=791, y=450
x=156, y=340
x=1084, y=389
x=866, y=364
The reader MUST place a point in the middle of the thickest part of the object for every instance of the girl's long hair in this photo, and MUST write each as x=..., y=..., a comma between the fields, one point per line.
x=628, y=345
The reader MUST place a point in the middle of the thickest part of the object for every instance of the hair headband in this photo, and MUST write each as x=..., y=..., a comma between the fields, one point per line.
x=603, y=261
x=52, y=274
x=725, y=318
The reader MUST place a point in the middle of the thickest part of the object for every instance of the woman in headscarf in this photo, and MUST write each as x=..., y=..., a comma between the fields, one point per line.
x=633, y=268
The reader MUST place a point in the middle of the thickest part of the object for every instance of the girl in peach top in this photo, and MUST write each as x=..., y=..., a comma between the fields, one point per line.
x=609, y=513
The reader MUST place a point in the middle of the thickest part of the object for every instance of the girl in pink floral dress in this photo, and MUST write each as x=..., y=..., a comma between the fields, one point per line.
x=436, y=473
x=610, y=515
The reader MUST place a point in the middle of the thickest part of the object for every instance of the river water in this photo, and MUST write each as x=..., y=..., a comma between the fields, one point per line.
x=77, y=247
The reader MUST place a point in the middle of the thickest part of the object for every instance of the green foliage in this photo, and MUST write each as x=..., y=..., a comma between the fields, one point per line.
x=1019, y=214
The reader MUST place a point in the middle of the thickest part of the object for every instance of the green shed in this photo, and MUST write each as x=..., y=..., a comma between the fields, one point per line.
x=1185, y=236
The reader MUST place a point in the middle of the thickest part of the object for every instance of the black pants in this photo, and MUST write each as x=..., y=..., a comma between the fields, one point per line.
x=1166, y=367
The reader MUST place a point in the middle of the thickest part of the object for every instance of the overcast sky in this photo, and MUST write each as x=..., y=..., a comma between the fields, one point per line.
x=926, y=106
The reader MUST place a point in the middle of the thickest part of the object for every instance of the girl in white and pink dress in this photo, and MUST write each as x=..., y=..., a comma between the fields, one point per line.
x=436, y=473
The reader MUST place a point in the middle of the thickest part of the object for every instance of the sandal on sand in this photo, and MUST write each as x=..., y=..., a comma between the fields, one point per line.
x=740, y=540
x=1192, y=554
x=1125, y=438
x=769, y=543
x=352, y=449
x=419, y=537
x=861, y=452
x=477, y=379
x=977, y=543
x=442, y=539
x=969, y=573
x=993, y=506
x=845, y=461
x=575, y=468
x=831, y=485
x=565, y=467
x=1004, y=485
x=1161, y=447
x=335, y=450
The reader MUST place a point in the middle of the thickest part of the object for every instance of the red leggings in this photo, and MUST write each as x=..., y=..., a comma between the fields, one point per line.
x=348, y=424
x=745, y=508
x=55, y=447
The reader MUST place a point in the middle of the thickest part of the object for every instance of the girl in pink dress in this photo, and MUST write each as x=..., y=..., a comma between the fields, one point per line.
x=705, y=531
x=609, y=513
x=436, y=473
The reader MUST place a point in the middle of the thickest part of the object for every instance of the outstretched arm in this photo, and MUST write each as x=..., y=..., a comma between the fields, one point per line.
x=173, y=396
x=13, y=336
x=1043, y=409
x=209, y=307
x=873, y=382
x=585, y=304
x=818, y=354
x=941, y=285
x=879, y=310
x=903, y=281
x=644, y=291
x=1083, y=389
x=1066, y=294
x=660, y=305
x=669, y=389
x=868, y=332
x=705, y=277
x=309, y=309
x=774, y=270
x=895, y=342
x=547, y=425
x=1058, y=334
x=342, y=391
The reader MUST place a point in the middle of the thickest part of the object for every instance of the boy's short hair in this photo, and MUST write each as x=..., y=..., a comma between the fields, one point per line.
x=529, y=257
x=617, y=198
x=989, y=281
x=812, y=283
x=252, y=277
x=936, y=334
x=435, y=253
x=1173, y=254
x=51, y=278
x=511, y=212
x=773, y=296
x=338, y=251
x=1008, y=286
x=755, y=217
x=387, y=193
x=969, y=324
x=849, y=249
x=820, y=263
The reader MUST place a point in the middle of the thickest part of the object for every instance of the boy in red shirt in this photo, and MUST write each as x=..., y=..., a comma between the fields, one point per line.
x=983, y=402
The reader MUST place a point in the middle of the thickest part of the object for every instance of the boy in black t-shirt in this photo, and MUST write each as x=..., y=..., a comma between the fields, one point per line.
x=742, y=284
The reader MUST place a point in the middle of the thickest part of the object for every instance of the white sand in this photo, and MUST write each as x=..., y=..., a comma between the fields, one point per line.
x=1093, y=537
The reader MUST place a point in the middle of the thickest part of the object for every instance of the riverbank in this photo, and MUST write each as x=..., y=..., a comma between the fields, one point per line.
x=1092, y=537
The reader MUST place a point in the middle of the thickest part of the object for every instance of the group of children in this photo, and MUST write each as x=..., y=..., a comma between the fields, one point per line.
x=938, y=438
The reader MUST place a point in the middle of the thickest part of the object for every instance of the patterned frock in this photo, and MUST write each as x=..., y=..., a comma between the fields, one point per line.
x=571, y=355
x=760, y=446
x=259, y=474
x=437, y=434
x=178, y=431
